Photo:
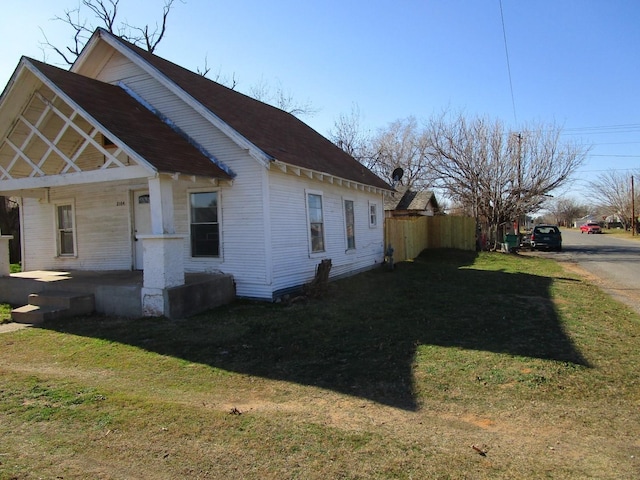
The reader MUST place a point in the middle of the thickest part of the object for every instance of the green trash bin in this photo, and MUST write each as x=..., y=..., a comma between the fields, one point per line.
x=511, y=239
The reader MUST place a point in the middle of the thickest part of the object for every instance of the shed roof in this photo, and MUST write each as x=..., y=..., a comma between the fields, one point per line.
x=411, y=200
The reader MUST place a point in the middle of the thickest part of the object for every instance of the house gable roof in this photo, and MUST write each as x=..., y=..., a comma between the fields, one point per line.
x=279, y=135
x=126, y=120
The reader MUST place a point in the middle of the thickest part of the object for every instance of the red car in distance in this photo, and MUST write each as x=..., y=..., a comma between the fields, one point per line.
x=590, y=227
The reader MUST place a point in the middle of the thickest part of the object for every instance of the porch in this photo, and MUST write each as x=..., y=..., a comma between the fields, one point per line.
x=119, y=293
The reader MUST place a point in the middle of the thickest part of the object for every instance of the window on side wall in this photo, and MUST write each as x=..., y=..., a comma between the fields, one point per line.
x=350, y=224
x=65, y=230
x=205, y=227
x=316, y=222
x=373, y=215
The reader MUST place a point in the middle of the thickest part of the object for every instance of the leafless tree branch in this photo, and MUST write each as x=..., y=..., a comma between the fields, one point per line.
x=146, y=36
x=283, y=100
x=105, y=14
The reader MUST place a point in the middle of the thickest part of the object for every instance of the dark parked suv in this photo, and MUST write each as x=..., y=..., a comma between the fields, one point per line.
x=546, y=237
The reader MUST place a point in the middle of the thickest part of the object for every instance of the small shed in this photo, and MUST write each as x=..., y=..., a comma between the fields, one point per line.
x=406, y=202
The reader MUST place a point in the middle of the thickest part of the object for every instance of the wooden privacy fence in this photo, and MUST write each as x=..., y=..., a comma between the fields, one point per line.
x=411, y=235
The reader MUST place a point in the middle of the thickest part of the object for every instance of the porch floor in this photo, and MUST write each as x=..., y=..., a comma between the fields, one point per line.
x=116, y=292
x=77, y=278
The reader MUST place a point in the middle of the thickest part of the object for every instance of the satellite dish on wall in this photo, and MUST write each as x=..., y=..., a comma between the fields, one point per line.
x=396, y=176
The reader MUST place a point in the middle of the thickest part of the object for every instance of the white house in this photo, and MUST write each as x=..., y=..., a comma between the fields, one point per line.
x=130, y=162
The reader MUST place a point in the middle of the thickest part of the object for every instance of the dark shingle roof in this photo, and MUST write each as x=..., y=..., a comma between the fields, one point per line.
x=277, y=133
x=406, y=199
x=132, y=123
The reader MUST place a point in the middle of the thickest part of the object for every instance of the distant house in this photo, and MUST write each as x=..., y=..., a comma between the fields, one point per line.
x=131, y=162
x=406, y=202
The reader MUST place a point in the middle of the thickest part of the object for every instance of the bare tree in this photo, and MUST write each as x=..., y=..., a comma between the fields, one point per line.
x=400, y=144
x=497, y=174
x=226, y=80
x=348, y=134
x=566, y=210
x=105, y=14
x=403, y=144
x=91, y=14
x=284, y=100
x=614, y=191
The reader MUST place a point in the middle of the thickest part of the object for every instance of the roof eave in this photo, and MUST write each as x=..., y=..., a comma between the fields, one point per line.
x=330, y=178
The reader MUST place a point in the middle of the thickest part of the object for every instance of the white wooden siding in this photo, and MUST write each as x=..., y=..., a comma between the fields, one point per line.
x=102, y=228
x=242, y=236
x=294, y=264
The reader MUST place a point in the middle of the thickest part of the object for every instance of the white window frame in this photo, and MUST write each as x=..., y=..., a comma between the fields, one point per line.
x=346, y=225
x=373, y=218
x=190, y=223
x=56, y=227
x=313, y=252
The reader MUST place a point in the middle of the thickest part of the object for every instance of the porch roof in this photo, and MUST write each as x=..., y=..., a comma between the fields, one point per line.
x=127, y=121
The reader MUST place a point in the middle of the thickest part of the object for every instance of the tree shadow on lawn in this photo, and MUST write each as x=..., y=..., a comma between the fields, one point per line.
x=361, y=339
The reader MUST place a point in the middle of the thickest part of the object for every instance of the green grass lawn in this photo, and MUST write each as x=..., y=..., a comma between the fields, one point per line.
x=5, y=313
x=455, y=365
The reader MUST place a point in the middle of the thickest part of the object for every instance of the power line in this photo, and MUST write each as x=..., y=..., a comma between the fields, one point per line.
x=506, y=51
x=605, y=127
x=607, y=170
x=603, y=132
x=614, y=155
x=614, y=143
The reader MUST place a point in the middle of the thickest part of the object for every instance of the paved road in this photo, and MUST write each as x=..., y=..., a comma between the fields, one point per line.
x=613, y=262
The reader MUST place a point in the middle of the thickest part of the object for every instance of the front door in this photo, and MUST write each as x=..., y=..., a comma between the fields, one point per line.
x=141, y=223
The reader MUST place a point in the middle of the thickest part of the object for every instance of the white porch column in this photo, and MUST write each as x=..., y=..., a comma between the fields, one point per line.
x=163, y=268
x=163, y=257
x=5, y=261
x=161, y=203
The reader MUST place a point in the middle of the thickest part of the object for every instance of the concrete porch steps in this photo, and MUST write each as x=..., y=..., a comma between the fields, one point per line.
x=47, y=306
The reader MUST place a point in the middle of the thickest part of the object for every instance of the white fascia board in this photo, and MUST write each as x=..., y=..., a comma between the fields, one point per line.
x=238, y=139
x=151, y=170
x=12, y=81
x=8, y=106
x=76, y=178
x=86, y=52
x=327, y=177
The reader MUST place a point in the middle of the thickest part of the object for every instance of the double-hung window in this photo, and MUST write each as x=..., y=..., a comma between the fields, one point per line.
x=205, y=225
x=316, y=222
x=65, y=230
x=349, y=219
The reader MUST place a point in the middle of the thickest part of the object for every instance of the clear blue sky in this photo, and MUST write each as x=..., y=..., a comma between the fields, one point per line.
x=572, y=62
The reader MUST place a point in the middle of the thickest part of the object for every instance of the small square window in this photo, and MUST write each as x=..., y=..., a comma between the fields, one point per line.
x=373, y=215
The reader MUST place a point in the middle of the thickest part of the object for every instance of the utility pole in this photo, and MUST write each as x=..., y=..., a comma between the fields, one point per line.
x=633, y=209
x=518, y=213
